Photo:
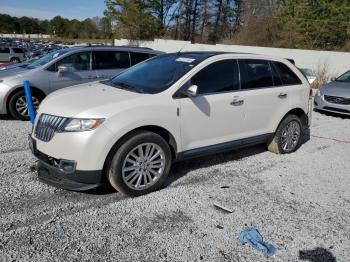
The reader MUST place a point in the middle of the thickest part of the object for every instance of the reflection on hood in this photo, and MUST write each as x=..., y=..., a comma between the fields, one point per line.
x=11, y=71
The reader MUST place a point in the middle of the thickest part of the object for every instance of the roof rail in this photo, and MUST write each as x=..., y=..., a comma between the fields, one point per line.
x=126, y=46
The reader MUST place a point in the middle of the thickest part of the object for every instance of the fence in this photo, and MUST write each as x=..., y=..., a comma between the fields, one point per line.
x=25, y=36
x=336, y=62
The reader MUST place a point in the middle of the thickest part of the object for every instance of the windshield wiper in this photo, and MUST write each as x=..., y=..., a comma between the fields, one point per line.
x=125, y=86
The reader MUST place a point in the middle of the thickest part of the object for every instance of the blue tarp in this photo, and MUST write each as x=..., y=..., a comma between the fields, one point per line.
x=252, y=237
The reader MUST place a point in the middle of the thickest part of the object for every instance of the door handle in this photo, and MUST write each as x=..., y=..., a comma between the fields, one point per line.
x=282, y=95
x=237, y=102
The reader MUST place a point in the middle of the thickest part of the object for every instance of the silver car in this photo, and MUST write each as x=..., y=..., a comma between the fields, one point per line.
x=335, y=96
x=11, y=54
x=63, y=68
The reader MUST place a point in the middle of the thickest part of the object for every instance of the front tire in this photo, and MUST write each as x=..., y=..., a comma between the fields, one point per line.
x=288, y=137
x=140, y=165
x=18, y=106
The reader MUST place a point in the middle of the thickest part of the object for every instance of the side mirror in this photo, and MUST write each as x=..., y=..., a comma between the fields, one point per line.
x=192, y=91
x=62, y=70
x=333, y=78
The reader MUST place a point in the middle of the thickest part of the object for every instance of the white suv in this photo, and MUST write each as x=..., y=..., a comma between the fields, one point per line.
x=127, y=131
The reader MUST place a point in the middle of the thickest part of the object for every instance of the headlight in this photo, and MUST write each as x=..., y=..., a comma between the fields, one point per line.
x=79, y=125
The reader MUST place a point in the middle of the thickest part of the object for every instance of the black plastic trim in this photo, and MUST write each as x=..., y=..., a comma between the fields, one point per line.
x=77, y=181
x=218, y=148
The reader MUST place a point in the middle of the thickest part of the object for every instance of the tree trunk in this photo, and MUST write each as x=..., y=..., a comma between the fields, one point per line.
x=204, y=19
x=217, y=21
x=193, y=31
x=179, y=23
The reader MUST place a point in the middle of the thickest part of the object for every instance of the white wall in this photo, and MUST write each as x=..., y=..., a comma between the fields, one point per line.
x=25, y=36
x=338, y=62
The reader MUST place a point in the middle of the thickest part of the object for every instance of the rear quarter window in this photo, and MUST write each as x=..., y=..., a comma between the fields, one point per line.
x=286, y=74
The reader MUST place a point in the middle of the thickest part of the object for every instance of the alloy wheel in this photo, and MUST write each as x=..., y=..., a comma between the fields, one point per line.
x=22, y=105
x=290, y=136
x=143, y=166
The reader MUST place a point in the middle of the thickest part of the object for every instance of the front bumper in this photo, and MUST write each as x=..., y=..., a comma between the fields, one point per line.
x=4, y=90
x=51, y=171
x=321, y=104
x=76, y=181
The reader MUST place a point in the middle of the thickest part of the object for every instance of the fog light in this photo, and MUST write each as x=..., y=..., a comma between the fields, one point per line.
x=67, y=166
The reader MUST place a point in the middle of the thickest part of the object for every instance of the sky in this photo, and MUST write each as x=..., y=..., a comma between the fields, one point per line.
x=47, y=9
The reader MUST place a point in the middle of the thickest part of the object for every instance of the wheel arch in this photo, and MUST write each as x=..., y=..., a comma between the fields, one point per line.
x=299, y=112
x=14, y=91
x=164, y=133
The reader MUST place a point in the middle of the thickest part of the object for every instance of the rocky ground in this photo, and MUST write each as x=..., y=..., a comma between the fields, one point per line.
x=300, y=203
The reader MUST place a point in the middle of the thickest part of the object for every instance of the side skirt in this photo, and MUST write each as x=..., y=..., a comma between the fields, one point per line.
x=218, y=148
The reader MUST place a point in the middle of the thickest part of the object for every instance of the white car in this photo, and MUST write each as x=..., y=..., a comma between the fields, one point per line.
x=309, y=74
x=127, y=131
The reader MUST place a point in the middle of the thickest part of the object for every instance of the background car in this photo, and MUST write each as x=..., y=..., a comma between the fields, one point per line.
x=63, y=68
x=309, y=74
x=23, y=64
x=11, y=54
x=335, y=96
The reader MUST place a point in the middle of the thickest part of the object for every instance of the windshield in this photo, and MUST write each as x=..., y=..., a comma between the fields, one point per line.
x=157, y=74
x=46, y=59
x=344, y=78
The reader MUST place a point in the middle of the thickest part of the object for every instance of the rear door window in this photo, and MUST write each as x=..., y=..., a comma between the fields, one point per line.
x=18, y=50
x=218, y=77
x=4, y=50
x=255, y=73
x=288, y=77
x=140, y=57
x=110, y=60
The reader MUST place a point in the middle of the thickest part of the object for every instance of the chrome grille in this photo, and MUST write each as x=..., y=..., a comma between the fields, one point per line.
x=48, y=125
x=337, y=100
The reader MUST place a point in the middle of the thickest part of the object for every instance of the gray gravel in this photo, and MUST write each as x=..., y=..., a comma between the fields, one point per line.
x=299, y=202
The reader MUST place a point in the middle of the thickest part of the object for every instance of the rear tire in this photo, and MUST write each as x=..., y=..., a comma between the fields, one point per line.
x=288, y=137
x=134, y=173
x=18, y=107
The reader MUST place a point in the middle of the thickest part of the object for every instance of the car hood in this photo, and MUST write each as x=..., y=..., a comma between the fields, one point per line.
x=335, y=88
x=89, y=100
x=12, y=72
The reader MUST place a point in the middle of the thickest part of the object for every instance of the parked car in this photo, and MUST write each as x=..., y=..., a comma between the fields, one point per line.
x=335, y=96
x=63, y=68
x=23, y=64
x=127, y=131
x=309, y=74
x=11, y=54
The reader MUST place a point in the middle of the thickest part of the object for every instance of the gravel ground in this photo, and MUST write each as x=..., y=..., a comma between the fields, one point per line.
x=298, y=202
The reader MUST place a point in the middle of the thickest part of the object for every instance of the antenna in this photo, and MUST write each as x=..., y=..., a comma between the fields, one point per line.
x=179, y=52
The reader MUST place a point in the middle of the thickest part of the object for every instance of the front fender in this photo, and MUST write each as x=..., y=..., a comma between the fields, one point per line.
x=125, y=122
